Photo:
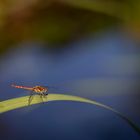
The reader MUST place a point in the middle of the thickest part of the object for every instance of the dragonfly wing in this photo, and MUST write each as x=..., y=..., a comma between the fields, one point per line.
x=57, y=89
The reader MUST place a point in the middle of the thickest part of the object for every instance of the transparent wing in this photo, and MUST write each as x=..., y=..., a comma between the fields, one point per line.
x=58, y=89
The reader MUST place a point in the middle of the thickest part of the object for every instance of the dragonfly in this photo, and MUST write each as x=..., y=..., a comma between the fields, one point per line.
x=40, y=90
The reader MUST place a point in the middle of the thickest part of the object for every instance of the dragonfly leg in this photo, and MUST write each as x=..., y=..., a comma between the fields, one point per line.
x=43, y=95
x=30, y=98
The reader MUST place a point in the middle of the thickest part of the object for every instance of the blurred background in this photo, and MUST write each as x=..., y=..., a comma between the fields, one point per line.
x=87, y=48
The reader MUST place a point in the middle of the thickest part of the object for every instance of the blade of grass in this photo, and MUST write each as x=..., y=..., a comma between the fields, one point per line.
x=15, y=103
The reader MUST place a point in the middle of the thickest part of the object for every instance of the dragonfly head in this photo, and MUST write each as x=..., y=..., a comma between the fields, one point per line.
x=40, y=89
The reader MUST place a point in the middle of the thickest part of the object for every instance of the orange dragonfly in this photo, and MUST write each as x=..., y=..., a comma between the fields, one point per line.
x=40, y=90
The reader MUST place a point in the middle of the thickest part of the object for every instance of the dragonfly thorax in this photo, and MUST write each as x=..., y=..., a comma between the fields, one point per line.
x=40, y=89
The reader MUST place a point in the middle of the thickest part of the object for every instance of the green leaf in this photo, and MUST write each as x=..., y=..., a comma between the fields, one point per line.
x=15, y=103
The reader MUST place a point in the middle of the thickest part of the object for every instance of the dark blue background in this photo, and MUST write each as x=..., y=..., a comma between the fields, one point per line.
x=104, y=68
